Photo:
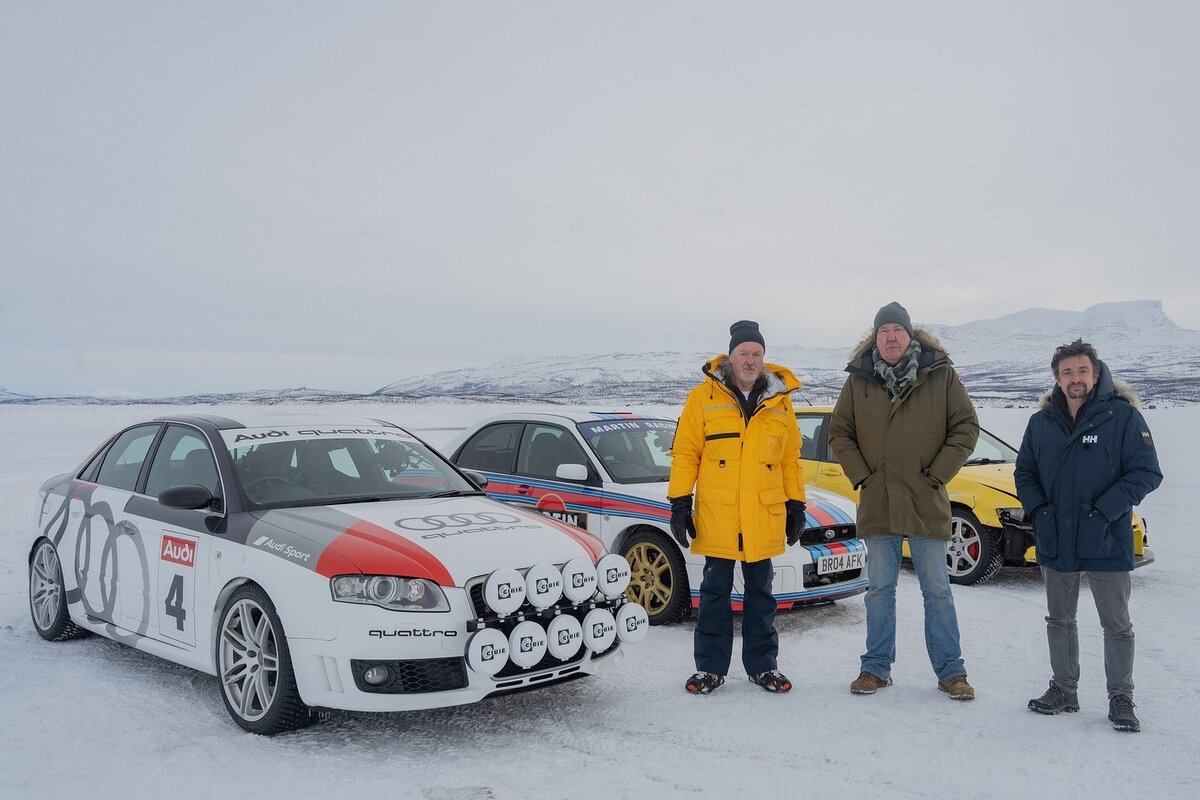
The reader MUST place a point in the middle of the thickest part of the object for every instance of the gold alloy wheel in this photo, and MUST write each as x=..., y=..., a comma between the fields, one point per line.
x=651, y=579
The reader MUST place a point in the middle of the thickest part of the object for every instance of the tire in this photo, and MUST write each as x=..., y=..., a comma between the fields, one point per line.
x=48, y=596
x=254, y=666
x=973, y=555
x=658, y=577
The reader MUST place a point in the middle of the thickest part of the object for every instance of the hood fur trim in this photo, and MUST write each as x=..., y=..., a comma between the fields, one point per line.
x=923, y=335
x=1121, y=389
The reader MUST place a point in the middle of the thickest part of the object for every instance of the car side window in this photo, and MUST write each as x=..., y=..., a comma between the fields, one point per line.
x=544, y=448
x=812, y=436
x=183, y=457
x=493, y=449
x=123, y=462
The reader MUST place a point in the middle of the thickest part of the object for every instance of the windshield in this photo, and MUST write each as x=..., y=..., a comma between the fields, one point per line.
x=632, y=450
x=991, y=450
x=281, y=468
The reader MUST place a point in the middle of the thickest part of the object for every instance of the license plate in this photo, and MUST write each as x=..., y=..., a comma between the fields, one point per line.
x=840, y=562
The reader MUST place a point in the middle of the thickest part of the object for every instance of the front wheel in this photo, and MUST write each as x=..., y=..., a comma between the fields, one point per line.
x=48, y=596
x=658, y=577
x=255, y=667
x=973, y=555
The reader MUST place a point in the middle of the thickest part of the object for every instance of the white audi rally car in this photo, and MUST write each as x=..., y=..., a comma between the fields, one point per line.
x=320, y=563
x=607, y=472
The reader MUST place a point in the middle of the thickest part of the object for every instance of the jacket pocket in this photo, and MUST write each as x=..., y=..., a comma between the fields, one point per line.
x=717, y=517
x=1095, y=537
x=1045, y=532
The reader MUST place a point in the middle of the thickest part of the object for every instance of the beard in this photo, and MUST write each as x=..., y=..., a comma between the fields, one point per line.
x=1077, y=391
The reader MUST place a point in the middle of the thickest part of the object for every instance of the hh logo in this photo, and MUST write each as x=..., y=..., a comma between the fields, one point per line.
x=1092, y=439
x=178, y=550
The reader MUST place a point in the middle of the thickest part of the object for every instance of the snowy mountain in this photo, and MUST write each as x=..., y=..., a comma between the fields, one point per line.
x=1004, y=360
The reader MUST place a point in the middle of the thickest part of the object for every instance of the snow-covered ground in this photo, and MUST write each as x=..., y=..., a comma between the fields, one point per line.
x=92, y=718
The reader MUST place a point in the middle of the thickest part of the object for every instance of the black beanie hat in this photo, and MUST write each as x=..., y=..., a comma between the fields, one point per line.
x=744, y=330
x=893, y=312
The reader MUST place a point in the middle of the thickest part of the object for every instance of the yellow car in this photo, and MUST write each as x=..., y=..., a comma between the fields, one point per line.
x=989, y=528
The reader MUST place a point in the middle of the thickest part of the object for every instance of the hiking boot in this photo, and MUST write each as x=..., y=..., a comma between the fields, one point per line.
x=773, y=681
x=1055, y=699
x=957, y=687
x=703, y=682
x=1120, y=712
x=869, y=683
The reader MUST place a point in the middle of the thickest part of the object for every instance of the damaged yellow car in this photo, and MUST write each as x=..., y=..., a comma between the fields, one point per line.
x=989, y=528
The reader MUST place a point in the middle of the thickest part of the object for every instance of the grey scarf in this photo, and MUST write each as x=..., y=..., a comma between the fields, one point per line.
x=899, y=378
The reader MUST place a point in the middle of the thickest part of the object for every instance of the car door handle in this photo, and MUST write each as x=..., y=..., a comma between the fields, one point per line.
x=524, y=488
x=832, y=471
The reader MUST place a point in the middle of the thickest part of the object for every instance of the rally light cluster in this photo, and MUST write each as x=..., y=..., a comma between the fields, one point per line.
x=506, y=590
x=390, y=592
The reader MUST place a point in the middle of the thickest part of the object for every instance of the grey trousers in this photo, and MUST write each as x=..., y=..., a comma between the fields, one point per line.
x=1110, y=591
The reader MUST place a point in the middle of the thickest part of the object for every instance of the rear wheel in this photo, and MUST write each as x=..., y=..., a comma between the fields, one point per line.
x=48, y=596
x=255, y=667
x=658, y=577
x=974, y=553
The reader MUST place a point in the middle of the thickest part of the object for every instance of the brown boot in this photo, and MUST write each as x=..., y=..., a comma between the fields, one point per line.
x=957, y=687
x=868, y=683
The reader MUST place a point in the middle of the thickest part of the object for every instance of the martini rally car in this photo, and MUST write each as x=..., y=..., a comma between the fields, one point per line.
x=607, y=472
x=327, y=563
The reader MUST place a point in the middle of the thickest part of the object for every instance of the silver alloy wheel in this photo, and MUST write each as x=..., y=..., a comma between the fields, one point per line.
x=45, y=586
x=249, y=661
x=965, y=549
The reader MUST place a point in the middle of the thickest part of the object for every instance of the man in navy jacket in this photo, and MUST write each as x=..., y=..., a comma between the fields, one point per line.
x=1086, y=460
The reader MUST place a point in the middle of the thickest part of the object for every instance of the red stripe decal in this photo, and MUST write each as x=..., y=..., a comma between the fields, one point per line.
x=823, y=517
x=589, y=542
x=377, y=551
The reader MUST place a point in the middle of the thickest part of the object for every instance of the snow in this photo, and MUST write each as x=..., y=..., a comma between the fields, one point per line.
x=93, y=718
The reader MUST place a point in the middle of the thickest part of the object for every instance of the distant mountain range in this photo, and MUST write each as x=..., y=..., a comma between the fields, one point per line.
x=1003, y=361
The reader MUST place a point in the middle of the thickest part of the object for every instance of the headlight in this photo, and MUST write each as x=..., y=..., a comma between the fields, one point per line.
x=390, y=592
x=1016, y=515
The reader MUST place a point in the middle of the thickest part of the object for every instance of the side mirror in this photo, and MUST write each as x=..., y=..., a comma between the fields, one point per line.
x=188, y=495
x=572, y=472
x=477, y=478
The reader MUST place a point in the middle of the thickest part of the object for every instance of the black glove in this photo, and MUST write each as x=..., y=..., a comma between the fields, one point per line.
x=682, y=527
x=794, y=525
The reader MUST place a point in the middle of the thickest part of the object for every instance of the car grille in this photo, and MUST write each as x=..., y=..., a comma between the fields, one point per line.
x=841, y=533
x=480, y=608
x=414, y=676
x=812, y=579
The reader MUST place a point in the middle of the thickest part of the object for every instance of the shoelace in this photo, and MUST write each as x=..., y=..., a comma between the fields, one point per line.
x=1123, y=704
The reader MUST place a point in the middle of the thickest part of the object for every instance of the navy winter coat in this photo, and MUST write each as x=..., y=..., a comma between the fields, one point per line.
x=1079, y=483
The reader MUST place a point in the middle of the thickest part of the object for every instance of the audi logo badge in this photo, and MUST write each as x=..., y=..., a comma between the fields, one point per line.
x=438, y=522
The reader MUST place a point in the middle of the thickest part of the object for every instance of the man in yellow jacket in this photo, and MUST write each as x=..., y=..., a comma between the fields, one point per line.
x=738, y=447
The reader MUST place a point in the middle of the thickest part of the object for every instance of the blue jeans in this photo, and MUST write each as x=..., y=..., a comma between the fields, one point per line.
x=714, y=623
x=941, y=621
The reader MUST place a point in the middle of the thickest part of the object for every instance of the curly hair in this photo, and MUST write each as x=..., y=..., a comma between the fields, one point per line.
x=1076, y=348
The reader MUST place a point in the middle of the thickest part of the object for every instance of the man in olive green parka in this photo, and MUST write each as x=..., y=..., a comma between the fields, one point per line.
x=902, y=428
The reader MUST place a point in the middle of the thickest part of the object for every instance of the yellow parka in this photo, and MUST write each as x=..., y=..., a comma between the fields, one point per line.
x=742, y=472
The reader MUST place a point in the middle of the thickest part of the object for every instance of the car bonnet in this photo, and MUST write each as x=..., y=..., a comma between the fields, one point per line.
x=446, y=540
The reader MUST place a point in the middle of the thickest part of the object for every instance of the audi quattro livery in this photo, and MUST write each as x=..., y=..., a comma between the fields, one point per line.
x=320, y=563
x=607, y=472
x=988, y=525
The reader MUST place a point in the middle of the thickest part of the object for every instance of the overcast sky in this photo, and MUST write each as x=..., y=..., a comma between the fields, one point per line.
x=227, y=196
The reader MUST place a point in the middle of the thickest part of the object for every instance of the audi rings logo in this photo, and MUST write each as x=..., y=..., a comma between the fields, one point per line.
x=439, y=522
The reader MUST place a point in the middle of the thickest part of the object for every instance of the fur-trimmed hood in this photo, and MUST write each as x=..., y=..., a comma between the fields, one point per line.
x=1106, y=386
x=923, y=335
x=780, y=379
